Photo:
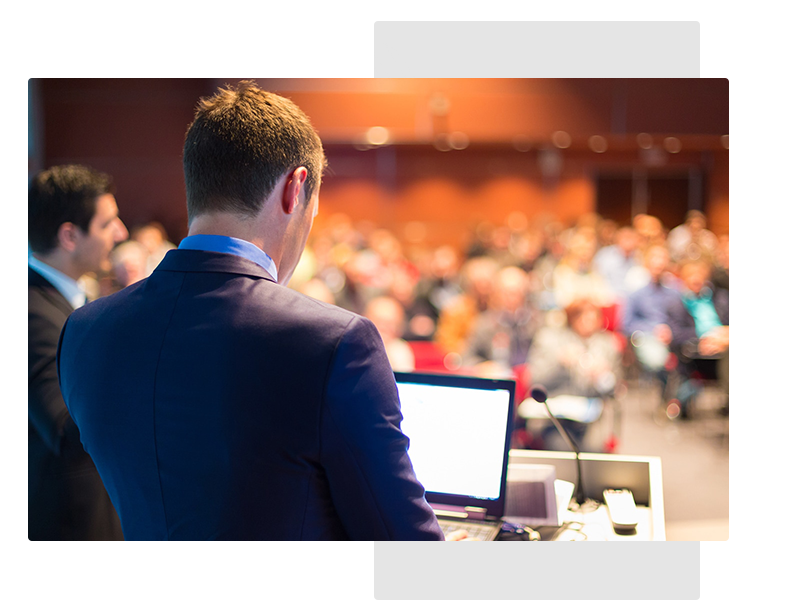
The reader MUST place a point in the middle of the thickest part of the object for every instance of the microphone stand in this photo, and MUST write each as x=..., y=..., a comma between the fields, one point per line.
x=539, y=393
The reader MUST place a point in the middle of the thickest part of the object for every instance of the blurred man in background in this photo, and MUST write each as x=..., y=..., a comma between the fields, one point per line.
x=73, y=225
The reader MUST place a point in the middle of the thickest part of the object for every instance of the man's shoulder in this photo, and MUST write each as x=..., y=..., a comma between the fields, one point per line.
x=304, y=307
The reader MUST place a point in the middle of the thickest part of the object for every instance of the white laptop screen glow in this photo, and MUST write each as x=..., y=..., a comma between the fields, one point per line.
x=457, y=437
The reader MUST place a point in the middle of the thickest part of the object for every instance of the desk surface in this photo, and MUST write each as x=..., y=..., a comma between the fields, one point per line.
x=640, y=474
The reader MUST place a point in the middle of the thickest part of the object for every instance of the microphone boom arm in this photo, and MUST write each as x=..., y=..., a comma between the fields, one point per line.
x=539, y=394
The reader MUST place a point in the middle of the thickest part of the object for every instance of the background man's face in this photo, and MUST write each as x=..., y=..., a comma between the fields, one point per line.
x=105, y=231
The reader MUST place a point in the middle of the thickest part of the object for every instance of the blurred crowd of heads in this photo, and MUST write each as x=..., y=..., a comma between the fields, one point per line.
x=413, y=291
x=407, y=288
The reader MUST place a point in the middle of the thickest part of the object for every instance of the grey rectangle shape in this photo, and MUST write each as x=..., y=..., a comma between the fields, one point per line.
x=540, y=63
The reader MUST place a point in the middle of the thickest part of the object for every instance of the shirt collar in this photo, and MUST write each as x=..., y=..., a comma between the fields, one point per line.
x=66, y=286
x=230, y=245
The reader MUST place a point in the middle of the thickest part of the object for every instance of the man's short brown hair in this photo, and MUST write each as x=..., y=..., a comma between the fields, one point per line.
x=239, y=145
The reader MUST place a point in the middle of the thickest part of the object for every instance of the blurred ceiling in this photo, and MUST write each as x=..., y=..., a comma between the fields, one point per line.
x=512, y=111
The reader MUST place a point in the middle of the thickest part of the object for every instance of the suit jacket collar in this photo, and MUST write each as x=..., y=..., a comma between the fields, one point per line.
x=203, y=261
x=48, y=291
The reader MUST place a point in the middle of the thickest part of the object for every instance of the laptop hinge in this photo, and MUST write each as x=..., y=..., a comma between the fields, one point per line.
x=474, y=513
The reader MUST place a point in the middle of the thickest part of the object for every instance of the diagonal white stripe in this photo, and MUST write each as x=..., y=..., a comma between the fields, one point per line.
x=176, y=54
x=337, y=39
x=282, y=28
x=162, y=70
x=301, y=20
x=258, y=30
x=362, y=41
x=235, y=32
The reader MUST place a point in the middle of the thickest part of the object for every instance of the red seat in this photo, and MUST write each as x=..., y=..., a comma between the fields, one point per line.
x=428, y=356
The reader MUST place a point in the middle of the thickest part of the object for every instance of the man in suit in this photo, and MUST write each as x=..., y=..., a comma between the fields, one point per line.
x=72, y=227
x=241, y=408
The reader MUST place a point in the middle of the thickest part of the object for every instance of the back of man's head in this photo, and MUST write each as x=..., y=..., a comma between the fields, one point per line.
x=240, y=143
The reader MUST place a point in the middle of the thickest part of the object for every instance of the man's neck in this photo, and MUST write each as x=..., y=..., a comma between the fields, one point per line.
x=228, y=225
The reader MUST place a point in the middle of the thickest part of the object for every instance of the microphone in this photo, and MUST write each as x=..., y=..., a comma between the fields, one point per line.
x=539, y=394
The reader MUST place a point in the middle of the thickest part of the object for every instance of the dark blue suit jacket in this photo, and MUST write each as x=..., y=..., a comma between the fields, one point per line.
x=217, y=404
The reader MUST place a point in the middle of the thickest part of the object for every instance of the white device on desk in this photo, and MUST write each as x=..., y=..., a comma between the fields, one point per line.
x=534, y=496
x=621, y=509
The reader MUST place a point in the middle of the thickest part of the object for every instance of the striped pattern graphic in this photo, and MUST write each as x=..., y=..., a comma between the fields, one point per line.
x=191, y=53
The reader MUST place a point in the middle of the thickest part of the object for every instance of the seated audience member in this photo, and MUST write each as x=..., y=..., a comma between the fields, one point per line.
x=503, y=334
x=719, y=275
x=129, y=264
x=388, y=316
x=575, y=277
x=441, y=285
x=420, y=314
x=153, y=237
x=357, y=286
x=699, y=323
x=620, y=264
x=457, y=319
x=580, y=358
x=645, y=316
x=692, y=240
x=650, y=229
x=317, y=289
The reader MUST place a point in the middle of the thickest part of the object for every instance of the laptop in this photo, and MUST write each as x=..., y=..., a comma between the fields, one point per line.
x=459, y=431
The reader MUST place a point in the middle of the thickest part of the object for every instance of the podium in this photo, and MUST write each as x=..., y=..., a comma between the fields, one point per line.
x=640, y=474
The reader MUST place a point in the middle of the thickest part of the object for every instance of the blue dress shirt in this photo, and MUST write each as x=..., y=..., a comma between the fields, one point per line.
x=230, y=245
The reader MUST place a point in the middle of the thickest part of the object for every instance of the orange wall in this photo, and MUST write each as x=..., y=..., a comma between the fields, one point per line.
x=134, y=129
x=449, y=209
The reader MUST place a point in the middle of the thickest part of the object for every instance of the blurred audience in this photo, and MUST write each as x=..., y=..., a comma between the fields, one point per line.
x=441, y=286
x=575, y=277
x=692, y=240
x=502, y=335
x=154, y=238
x=699, y=321
x=530, y=293
x=650, y=228
x=457, y=319
x=388, y=316
x=580, y=358
x=620, y=264
x=129, y=264
x=719, y=276
x=317, y=289
x=645, y=320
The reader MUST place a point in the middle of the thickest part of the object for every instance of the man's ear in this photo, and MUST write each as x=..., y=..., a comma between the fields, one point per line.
x=67, y=236
x=293, y=189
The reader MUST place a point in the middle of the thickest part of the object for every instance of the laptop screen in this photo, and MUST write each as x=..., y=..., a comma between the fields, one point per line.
x=459, y=431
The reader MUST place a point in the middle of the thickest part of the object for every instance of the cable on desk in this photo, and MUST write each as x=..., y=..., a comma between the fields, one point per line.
x=520, y=530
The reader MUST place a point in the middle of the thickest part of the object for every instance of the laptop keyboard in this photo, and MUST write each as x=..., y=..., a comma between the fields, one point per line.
x=483, y=533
